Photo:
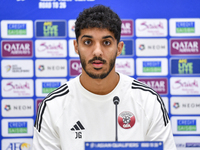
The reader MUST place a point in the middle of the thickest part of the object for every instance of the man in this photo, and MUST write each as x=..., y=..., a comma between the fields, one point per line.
x=83, y=110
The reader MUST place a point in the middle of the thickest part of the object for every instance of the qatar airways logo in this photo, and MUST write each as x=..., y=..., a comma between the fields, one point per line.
x=125, y=66
x=17, y=88
x=151, y=27
x=51, y=48
x=185, y=86
x=75, y=67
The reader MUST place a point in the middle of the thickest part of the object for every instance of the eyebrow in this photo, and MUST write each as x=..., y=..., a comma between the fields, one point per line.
x=105, y=37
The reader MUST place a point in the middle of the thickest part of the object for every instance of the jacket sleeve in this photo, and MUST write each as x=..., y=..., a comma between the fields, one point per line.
x=45, y=137
x=160, y=126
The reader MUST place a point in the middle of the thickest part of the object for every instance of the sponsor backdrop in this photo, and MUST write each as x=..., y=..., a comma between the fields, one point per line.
x=162, y=49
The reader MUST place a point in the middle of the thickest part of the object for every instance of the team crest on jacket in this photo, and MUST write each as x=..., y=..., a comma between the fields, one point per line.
x=126, y=119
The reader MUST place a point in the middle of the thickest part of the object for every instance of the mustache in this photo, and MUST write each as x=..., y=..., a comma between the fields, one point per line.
x=97, y=58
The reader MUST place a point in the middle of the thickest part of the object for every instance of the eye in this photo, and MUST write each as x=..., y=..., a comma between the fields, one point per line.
x=87, y=42
x=107, y=43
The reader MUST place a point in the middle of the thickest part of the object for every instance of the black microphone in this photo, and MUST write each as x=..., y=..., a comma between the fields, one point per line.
x=116, y=102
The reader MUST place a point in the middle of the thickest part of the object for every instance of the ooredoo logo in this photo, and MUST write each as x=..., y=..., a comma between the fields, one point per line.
x=126, y=120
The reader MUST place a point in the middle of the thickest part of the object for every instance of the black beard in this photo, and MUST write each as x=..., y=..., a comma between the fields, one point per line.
x=98, y=76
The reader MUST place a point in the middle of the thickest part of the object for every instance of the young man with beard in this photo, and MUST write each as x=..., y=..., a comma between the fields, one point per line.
x=83, y=110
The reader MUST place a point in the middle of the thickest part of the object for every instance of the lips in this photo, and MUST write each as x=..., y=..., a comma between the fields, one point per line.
x=97, y=63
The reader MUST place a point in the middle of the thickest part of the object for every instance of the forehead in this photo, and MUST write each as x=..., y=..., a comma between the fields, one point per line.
x=96, y=32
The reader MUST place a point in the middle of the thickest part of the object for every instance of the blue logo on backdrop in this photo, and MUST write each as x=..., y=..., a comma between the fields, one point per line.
x=50, y=29
x=48, y=87
x=128, y=48
x=192, y=145
x=185, y=66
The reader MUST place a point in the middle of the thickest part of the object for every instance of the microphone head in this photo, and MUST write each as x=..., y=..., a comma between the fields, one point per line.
x=116, y=100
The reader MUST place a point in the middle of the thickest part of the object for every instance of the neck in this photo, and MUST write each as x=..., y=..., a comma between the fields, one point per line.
x=100, y=86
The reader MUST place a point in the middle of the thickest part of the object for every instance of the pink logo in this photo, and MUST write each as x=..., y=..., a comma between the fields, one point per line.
x=178, y=84
x=121, y=65
x=127, y=28
x=17, y=48
x=185, y=46
x=10, y=86
x=160, y=85
x=75, y=67
x=44, y=47
x=145, y=26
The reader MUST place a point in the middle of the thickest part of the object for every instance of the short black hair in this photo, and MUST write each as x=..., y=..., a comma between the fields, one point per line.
x=99, y=16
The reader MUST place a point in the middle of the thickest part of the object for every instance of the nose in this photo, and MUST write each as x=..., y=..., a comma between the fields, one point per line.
x=97, y=52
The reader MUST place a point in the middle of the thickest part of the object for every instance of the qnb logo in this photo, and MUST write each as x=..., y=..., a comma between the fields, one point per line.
x=145, y=26
x=41, y=67
x=10, y=86
x=141, y=47
x=7, y=107
x=19, y=146
x=176, y=105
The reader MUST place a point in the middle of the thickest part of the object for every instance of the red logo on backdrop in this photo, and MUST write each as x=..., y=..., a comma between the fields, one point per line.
x=127, y=28
x=17, y=48
x=126, y=120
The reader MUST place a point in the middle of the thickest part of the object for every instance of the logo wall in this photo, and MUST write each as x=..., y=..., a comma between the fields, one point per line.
x=152, y=66
x=17, y=88
x=185, y=66
x=125, y=66
x=160, y=85
x=185, y=85
x=128, y=48
x=17, y=107
x=51, y=48
x=16, y=144
x=185, y=125
x=16, y=28
x=151, y=27
x=184, y=27
x=187, y=142
x=17, y=127
x=46, y=86
x=17, y=48
x=72, y=52
x=127, y=28
x=151, y=47
x=75, y=67
x=51, y=67
x=50, y=29
x=185, y=46
x=185, y=105
x=17, y=68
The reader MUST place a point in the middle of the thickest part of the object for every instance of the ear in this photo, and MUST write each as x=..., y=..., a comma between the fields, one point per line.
x=120, y=47
x=76, y=46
